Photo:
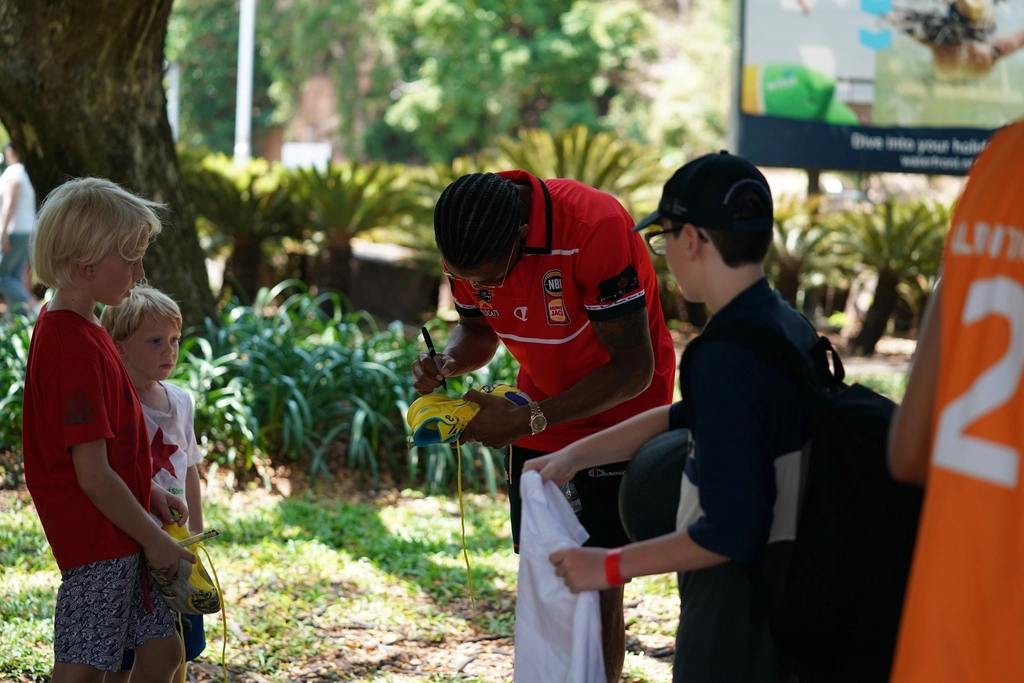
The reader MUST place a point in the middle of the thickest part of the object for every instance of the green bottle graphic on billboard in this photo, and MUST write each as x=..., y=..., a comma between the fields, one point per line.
x=793, y=91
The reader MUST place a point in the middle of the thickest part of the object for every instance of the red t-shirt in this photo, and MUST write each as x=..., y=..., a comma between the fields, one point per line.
x=582, y=263
x=77, y=391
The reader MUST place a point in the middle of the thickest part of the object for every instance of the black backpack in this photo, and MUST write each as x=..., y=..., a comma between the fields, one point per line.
x=835, y=610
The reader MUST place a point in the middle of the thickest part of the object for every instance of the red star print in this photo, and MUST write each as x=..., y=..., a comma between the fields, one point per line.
x=162, y=453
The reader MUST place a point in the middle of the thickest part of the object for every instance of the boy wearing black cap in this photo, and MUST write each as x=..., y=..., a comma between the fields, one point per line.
x=739, y=491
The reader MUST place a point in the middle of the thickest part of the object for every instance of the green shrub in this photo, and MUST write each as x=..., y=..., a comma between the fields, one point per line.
x=285, y=381
x=14, y=340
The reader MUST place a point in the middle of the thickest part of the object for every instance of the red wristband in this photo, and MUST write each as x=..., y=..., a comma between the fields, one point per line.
x=612, y=572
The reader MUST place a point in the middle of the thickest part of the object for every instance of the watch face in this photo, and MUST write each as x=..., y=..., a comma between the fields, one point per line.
x=538, y=423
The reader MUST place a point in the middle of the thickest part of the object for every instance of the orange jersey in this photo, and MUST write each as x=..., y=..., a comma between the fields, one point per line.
x=963, y=621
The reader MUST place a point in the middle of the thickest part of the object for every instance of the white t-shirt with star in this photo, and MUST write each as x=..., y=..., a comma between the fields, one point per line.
x=172, y=439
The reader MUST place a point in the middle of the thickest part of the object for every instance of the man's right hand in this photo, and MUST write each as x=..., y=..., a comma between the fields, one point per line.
x=5, y=244
x=426, y=375
x=165, y=554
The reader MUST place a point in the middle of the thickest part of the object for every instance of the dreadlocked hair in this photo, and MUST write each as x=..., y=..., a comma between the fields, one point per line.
x=476, y=220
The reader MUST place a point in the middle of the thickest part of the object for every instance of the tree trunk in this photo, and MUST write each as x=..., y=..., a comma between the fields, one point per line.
x=81, y=94
x=788, y=285
x=243, y=268
x=813, y=297
x=877, y=317
x=813, y=182
x=902, y=318
x=838, y=296
x=335, y=271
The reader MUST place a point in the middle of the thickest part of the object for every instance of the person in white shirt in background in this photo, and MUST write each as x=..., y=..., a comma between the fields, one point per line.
x=17, y=220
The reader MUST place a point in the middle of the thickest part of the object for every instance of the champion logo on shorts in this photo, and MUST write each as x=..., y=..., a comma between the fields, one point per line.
x=598, y=472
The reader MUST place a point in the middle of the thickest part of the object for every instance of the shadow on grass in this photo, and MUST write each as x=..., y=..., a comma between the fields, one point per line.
x=410, y=554
x=359, y=531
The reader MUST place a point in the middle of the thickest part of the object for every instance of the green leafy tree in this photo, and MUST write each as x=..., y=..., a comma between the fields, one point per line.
x=340, y=40
x=899, y=242
x=202, y=38
x=686, y=99
x=470, y=71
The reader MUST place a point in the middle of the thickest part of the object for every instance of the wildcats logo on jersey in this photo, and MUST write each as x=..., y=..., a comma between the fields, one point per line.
x=554, y=305
x=488, y=310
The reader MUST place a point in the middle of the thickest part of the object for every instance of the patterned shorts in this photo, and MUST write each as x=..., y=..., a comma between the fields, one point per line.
x=101, y=613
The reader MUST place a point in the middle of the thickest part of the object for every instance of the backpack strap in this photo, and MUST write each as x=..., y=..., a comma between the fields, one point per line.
x=814, y=377
x=825, y=370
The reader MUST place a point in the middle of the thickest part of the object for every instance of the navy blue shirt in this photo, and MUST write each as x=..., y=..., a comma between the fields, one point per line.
x=742, y=484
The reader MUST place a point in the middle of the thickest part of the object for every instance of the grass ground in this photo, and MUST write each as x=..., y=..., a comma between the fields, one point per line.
x=323, y=587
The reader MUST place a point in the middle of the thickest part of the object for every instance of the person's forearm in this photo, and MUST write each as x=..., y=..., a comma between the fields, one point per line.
x=610, y=385
x=620, y=442
x=675, y=552
x=6, y=214
x=194, y=500
x=471, y=348
x=10, y=204
x=114, y=499
x=910, y=434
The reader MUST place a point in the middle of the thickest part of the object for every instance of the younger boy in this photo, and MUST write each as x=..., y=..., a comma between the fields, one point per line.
x=146, y=330
x=79, y=402
x=736, y=500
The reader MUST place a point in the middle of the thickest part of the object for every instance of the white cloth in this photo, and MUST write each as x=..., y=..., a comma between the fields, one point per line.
x=172, y=439
x=558, y=634
x=25, y=212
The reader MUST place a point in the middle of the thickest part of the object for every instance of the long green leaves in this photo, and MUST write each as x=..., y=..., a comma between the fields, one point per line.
x=284, y=380
x=15, y=333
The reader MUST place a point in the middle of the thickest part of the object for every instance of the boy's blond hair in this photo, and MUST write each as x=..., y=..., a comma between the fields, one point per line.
x=82, y=221
x=122, y=321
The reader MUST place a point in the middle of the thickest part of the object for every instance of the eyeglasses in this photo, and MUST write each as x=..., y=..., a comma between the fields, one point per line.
x=657, y=241
x=488, y=284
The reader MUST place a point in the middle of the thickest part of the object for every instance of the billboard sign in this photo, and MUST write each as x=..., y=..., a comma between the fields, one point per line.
x=914, y=86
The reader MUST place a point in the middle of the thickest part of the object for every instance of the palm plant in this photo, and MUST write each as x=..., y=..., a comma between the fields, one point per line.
x=243, y=208
x=346, y=200
x=801, y=244
x=619, y=167
x=899, y=242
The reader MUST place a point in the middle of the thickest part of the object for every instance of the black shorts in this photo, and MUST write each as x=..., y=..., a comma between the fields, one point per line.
x=598, y=490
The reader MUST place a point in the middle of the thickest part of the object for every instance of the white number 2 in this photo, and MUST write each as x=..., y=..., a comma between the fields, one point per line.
x=954, y=450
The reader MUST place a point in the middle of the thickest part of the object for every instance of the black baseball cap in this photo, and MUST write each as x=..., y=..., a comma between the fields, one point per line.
x=704, y=192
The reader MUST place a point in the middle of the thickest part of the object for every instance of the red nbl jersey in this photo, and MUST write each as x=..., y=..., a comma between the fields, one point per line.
x=581, y=264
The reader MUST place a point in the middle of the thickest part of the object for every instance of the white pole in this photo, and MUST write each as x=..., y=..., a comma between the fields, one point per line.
x=173, y=97
x=243, y=110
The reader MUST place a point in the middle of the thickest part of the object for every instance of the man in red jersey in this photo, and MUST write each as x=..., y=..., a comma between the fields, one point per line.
x=553, y=270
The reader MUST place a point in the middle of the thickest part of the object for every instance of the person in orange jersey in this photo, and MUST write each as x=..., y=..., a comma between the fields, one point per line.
x=960, y=433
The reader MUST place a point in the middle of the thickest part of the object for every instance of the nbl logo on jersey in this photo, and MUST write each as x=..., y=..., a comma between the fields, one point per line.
x=554, y=304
